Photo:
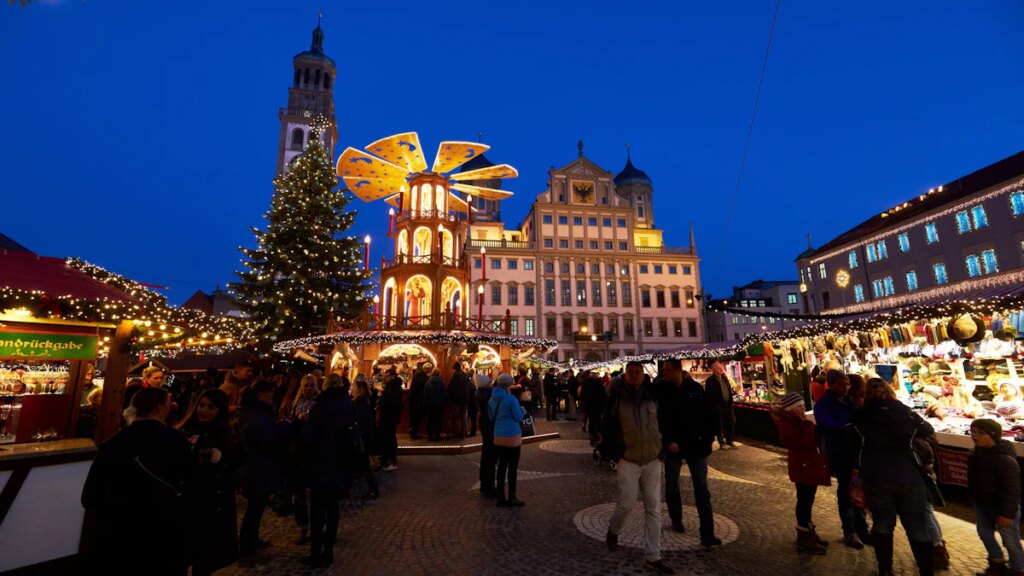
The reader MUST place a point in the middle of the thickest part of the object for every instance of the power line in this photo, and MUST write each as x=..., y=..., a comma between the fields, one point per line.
x=750, y=129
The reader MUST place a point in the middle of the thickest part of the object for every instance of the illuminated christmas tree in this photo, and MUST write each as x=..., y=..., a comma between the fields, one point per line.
x=305, y=266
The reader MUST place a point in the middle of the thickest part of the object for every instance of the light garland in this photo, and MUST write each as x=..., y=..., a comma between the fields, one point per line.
x=415, y=337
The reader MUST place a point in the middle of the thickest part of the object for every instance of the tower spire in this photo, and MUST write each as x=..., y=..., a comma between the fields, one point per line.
x=318, y=34
x=693, y=240
x=627, y=152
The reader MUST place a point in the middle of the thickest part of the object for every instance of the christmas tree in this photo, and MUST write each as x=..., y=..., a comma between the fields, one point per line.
x=304, y=266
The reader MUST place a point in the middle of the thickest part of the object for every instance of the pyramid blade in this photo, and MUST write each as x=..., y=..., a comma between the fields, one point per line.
x=393, y=200
x=401, y=150
x=499, y=171
x=358, y=164
x=370, y=189
x=486, y=193
x=451, y=155
x=457, y=204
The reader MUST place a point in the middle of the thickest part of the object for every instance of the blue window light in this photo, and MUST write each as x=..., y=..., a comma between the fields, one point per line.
x=973, y=266
x=940, y=274
x=904, y=240
x=979, y=216
x=858, y=293
x=853, y=259
x=931, y=231
x=963, y=222
x=988, y=258
x=911, y=281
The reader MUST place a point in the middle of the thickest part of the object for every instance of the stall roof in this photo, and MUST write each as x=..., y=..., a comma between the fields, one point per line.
x=52, y=276
x=195, y=363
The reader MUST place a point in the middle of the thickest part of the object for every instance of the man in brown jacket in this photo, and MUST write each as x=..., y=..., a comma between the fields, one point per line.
x=631, y=436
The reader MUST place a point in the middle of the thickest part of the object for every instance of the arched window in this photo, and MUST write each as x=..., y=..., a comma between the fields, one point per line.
x=426, y=198
x=298, y=75
x=327, y=81
x=297, y=137
x=316, y=78
x=439, y=200
x=305, y=76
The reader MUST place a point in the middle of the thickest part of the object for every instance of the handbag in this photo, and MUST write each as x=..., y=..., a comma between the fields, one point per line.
x=526, y=396
x=356, y=441
x=526, y=424
x=857, y=495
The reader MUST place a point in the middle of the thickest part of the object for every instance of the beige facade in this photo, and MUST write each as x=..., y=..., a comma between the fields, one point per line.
x=588, y=268
x=958, y=240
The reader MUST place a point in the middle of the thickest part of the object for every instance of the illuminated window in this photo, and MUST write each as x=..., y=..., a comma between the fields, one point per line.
x=973, y=265
x=858, y=293
x=963, y=222
x=529, y=327
x=883, y=251
x=890, y=288
x=852, y=257
x=1017, y=203
x=979, y=217
x=940, y=273
x=931, y=231
x=988, y=260
x=872, y=255
x=791, y=298
x=821, y=271
x=904, y=241
x=911, y=281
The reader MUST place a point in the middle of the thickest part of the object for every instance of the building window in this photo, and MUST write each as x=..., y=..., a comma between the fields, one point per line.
x=613, y=326
x=581, y=269
x=593, y=244
x=821, y=271
x=297, y=139
x=496, y=294
x=549, y=292
x=563, y=244
x=852, y=257
x=659, y=269
x=662, y=328
x=578, y=244
x=528, y=295
x=529, y=327
x=988, y=260
x=872, y=254
x=940, y=273
x=979, y=217
x=564, y=267
x=527, y=264
x=644, y=268
x=592, y=221
x=691, y=328
x=883, y=251
x=513, y=295
x=547, y=219
x=1017, y=203
x=567, y=327
x=566, y=293
x=496, y=264
x=791, y=298
x=687, y=270
x=548, y=243
x=624, y=271
x=890, y=288
x=627, y=296
x=599, y=326
x=514, y=326
x=672, y=269
x=549, y=327
x=577, y=220
x=595, y=269
x=512, y=265
x=689, y=299
x=674, y=294
x=645, y=298
x=659, y=297
x=622, y=223
x=858, y=293
x=911, y=281
x=648, y=327
x=963, y=222
x=931, y=232
x=549, y=267
x=477, y=263
x=904, y=241
x=973, y=266
x=612, y=296
x=627, y=327
x=623, y=246
x=581, y=292
x=595, y=289
x=563, y=220
x=677, y=328
x=606, y=222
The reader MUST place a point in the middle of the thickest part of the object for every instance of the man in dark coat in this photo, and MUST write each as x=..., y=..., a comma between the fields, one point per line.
x=719, y=389
x=993, y=482
x=688, y=422
x=488, y=457
x=459, y=392
x=418, y=398
x=551, y=394
x=327, y=438
x=264, y=446
x=390, y=414
x=133, y=495
x=592, y=398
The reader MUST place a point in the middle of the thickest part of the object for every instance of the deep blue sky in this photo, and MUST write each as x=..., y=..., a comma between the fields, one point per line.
x=142, y=136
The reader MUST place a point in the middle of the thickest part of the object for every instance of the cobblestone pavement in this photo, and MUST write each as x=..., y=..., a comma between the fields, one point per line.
x=431, y=520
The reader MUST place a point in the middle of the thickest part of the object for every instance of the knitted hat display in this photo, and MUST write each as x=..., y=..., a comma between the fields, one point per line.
x=990, y=427
x=965, y=329
x=791, y=401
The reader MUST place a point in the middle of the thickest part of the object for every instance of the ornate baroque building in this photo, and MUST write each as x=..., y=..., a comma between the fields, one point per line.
x=310, y=96
x=587, y=267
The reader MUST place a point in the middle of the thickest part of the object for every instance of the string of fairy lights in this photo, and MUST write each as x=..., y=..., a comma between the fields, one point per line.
x=442, y=337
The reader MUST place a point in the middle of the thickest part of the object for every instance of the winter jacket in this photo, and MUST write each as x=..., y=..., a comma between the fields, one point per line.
x=806, y=465
x=593, y=396
x=264, y=443
x=362, y=412
x=435, y=392
x=460, y=389
x=135, y=492
x=213, y=523
x=630, y=424
x=550, y=387
x=686, y=417
x=713, y=388
x=505, y=412
x=390, y=404
x=418, y=388
x=327, y=439
x=882, y=438
x=483, y=399
x=832, y=414
x=993, y=478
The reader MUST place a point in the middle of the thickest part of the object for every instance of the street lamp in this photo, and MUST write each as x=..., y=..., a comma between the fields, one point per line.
x=366, y=253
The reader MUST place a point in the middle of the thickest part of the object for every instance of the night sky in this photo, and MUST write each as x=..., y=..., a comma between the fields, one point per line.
x=142, y=136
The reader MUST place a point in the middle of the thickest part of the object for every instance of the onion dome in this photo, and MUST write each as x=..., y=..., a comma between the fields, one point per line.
x=316, y=49
x=632, y=175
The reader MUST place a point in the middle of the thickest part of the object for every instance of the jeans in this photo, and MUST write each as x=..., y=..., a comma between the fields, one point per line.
x=508, y=464
x=987, y=528
x=323, y=519
x=854, y=519
x=488, y=461
x=702, y=496
x=646, y=479
x=908, y=501
x=805, y=503
x=727, y=429
x=249, y=534
x=934, y=530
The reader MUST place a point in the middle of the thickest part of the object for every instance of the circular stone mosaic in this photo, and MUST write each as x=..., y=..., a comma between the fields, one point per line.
x=567, y=446
x=593, y=522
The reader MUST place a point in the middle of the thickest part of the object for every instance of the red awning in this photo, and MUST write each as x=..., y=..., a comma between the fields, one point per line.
x=53, y=277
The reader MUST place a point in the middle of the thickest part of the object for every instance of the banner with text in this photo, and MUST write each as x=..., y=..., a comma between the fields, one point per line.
x=47, y=346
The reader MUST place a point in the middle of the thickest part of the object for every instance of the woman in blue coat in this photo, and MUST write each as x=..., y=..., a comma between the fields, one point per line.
x=506, y=413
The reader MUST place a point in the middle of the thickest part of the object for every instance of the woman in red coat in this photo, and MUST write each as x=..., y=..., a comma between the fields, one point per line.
x=808, y=469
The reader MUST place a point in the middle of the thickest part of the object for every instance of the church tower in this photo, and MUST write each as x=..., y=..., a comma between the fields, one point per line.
x=311, y=95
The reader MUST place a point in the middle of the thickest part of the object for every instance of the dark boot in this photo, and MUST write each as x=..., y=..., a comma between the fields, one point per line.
x=806, y=543
x=821, y=541
x=995, y=568
x=924, y=554
x=941, y=560
x=883, y=553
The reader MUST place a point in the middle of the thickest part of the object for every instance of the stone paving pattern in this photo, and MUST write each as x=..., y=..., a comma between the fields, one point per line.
x=431, y=520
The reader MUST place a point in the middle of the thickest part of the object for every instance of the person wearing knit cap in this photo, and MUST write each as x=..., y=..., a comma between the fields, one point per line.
x=833, y=412
x=488, y=458
x=808, y=469
x=993, y=482
x=506, y=413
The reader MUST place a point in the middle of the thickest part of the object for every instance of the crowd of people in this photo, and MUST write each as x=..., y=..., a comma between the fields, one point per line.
x=165, y=486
